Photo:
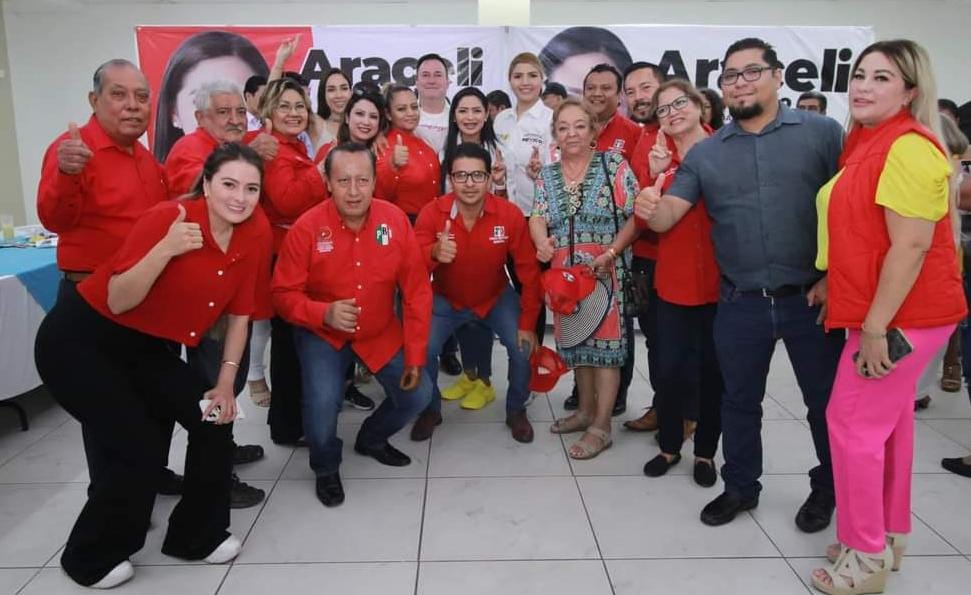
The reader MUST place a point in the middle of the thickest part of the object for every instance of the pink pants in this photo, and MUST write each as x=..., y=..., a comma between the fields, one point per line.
x=871, y=435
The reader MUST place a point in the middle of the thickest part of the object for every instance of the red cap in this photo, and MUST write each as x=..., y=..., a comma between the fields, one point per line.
x=547, y=367
x=565, y=288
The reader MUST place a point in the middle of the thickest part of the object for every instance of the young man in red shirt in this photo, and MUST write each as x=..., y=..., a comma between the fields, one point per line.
x=466, y=238
x=336, y=278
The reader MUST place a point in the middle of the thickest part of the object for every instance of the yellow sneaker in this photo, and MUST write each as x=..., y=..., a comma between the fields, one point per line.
x=459, y=388
x=481, y=395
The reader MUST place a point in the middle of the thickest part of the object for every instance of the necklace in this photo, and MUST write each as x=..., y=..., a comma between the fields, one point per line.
x=574, y=189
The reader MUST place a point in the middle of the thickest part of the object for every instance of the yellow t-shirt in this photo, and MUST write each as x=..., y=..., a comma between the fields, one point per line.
x=914, y=183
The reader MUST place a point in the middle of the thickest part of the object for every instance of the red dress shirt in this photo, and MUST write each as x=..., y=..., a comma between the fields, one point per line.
x=620, y=135
x=194, y=289
x=291, y=185
x=645, y=246
x=323, y=261
x=185, y=160
x=414, y=185
x=93, y=211
x=477, y=277
x=687, y=273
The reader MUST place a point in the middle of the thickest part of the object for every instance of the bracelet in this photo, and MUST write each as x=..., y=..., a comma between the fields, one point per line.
x=867, y=333
x=226, y=362
x=611, y=251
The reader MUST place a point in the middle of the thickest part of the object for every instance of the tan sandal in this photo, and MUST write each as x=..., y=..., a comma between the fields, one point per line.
x=588, y=451
x=259, y=393
x=896, y=541
x=856, y=573
x=577, y=422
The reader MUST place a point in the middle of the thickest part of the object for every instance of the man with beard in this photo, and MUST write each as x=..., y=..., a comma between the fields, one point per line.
x=759, y=176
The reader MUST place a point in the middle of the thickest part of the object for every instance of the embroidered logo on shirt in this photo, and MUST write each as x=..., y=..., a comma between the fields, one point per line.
x=325, y=240
x=499, y=235
x=383, y=235
x=618, y=145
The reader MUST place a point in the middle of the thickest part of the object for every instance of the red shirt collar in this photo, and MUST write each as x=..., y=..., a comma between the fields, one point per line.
x=445, y=203
x=101, y=140
x=295, y=143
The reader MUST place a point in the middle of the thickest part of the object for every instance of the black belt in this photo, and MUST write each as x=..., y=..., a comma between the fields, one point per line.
x=779, y=292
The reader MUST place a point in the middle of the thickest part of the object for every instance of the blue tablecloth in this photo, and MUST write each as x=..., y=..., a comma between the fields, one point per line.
x=36, y=268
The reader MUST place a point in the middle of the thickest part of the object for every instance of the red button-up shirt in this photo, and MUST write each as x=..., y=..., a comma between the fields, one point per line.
x=477, y=277
x=323, y=261
x=417, y=183
x=291, y=185
x=620, y=135
x=195, y=288
x=645, y=246
x=687, y=273
x=93, y=211
x=183, y=166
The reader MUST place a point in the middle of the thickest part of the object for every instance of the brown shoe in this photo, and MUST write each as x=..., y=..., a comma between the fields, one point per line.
x=522, y=430
x=951, y=380
x=425, y=425
x=645, y=423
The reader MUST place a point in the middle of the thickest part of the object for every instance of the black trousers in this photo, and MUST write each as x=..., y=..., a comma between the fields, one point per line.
x=642, y=271
x=541, y=320
x=689, y=380
x=120, y=384
x=285, y=418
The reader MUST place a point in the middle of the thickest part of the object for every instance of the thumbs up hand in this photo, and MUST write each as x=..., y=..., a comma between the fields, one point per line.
x=342, y=315
x=399, y=157
x=544, y=252
x=535, y=164
x=264, y=143
x=660, y=156
x=182, y=237
x=445, y=248
x=646, y=203
x=72, y=153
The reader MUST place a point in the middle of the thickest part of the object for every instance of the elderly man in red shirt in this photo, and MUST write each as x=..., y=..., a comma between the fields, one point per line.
x=466, y=238
x=335, y=280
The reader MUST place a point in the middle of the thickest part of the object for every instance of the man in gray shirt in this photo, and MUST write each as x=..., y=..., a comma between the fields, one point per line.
x=759, y=176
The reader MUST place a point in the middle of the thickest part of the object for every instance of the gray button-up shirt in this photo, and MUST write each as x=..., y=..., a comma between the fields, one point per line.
x=760, y=191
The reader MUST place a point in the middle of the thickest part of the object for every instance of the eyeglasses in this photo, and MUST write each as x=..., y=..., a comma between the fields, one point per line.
x=750, y=74
x=678, y=104
x=461, y=177
x=285, y=108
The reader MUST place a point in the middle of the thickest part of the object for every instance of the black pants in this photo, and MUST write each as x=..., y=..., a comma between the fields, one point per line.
x=541, y=320
x=206, y=359
x=119, y=383
x=284, y=417
x=642, y=271
x=689, y=379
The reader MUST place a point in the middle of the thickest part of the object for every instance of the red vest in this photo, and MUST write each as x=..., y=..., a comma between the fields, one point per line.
x=859, y=241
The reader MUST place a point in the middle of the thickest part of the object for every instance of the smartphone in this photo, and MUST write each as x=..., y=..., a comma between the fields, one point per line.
x=898, y=347
x=214, y=414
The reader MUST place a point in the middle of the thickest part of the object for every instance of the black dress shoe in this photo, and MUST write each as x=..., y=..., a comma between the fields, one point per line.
x=386, y=455
x=705, y=474
x=957, y=465
x=246, y=453
x=243, y=495
x=816, y=512
x=724, y=508
x=659, y=465
x=330, y=492
x=171, y=483
x=356, y=399
x=449, y=364
x=573, y=401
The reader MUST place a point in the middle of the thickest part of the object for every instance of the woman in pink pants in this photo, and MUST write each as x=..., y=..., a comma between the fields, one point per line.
x=886, y=239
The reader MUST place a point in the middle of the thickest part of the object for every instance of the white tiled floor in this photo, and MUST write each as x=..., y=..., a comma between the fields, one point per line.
x=477, y=513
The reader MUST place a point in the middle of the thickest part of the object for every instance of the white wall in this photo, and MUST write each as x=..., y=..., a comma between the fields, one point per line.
x=53, y=45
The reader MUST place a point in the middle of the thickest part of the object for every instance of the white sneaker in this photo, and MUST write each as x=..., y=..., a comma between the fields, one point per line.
x=226, y=551
x=118, y=575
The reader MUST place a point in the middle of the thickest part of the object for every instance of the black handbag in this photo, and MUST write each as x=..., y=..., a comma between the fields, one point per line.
x=637, y=296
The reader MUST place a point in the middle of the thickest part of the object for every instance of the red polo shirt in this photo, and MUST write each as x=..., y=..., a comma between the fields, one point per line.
x=477, y=277
x=645, y=246
x=620, y=135
x=93, y=211
x=322, y=261
x=185, y=160
x=417, y=183
x=291, y=185
x=687, y=273
x=194, y=289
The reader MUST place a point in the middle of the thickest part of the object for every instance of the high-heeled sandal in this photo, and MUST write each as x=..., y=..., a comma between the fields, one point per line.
x=896, y=541
x=856, y=573
x=259, y=393
x=578, y=422
x=587, y=450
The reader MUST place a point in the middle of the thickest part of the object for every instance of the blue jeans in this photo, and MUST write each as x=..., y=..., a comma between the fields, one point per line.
x=503, y=320
x=323, y=370
x=746, y=330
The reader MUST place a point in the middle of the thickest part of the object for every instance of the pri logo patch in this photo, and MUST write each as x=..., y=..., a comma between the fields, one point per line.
x=383, y=235
x=499, y=235
x=325, y=240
